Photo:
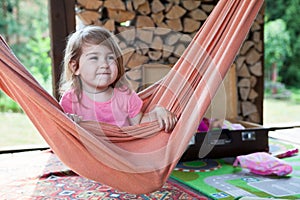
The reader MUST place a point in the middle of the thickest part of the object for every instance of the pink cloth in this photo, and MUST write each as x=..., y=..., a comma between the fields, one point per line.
x=116, y=111
x=204, y=125
x=263, y=163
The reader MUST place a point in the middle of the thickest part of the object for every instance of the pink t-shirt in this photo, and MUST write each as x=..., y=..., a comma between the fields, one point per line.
x=116, y=111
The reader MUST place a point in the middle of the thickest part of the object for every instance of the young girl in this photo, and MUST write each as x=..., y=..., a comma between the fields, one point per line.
x=93, y=86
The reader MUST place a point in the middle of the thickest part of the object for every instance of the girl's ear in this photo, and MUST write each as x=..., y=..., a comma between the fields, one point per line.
x=73, y=67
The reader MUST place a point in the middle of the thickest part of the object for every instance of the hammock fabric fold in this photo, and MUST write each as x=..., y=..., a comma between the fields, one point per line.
x=138, y=159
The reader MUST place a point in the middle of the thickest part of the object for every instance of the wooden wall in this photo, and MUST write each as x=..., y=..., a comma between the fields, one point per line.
x=154, y=33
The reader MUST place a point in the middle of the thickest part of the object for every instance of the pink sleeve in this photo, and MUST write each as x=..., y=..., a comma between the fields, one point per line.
x=135, y=105
x=66, y=102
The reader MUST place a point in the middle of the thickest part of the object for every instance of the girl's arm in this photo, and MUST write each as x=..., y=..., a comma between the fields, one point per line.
x=74, y=117
x=166, y=119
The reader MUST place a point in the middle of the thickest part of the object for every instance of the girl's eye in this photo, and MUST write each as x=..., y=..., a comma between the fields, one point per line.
x=94, y=58
x=111, y=57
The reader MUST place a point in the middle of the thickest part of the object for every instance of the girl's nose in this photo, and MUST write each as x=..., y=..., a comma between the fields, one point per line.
x=103, y=64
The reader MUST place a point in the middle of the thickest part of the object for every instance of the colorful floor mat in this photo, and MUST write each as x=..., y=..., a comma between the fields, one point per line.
x=219, y=180
x=40, y=175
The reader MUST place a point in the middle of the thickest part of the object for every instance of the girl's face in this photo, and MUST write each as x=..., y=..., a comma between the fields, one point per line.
x=97, y=68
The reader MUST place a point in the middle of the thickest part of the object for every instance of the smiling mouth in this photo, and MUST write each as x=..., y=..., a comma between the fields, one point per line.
x=106, y=73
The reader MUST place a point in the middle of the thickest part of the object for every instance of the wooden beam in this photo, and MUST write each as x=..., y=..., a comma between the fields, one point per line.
x=62, y=23
x=18, y=149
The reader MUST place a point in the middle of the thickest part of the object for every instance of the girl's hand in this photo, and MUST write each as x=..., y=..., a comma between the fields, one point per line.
x=74, y=117
x=166, y=119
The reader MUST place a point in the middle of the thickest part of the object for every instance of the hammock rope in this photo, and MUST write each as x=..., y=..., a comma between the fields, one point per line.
x=140, y=158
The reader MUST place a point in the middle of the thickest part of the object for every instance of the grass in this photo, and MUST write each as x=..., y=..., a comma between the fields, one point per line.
x=16, y=129
x=281, y=111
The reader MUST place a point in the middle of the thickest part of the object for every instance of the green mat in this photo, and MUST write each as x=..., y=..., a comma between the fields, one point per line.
x=217, y=179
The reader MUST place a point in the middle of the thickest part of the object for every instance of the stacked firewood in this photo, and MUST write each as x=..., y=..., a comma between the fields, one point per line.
x=154, y=33
x=249, y=65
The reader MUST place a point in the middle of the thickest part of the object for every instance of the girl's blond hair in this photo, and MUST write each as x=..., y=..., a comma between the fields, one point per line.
x=95, y=35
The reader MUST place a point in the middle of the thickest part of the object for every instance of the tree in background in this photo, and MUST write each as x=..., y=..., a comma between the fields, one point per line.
x=277, y=48
x=286, y=11
x=24, y=25
x=291, y=71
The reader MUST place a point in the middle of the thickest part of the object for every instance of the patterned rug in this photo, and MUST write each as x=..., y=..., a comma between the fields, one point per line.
x=40, y=175
x=218, y=179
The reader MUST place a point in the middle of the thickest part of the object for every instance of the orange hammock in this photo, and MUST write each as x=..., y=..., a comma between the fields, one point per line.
x=138, y=159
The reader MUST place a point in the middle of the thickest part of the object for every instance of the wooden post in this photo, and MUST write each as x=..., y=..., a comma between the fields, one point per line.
x=62, y=23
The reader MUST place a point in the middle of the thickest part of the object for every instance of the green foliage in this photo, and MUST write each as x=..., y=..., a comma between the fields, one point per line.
x=277, y=45
x=35, y=55
x=24, y=25
x=8, y=105
x=295, y=95
x=289, y=65
x=275, y=9
x=291, y=75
